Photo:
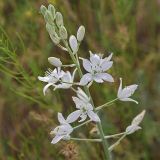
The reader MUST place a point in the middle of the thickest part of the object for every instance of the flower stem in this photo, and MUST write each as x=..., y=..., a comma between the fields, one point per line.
x=99, y=125
x=97, y=139
x=106, y=104
x=117, y=143
x=82, y=124
x=86, y=139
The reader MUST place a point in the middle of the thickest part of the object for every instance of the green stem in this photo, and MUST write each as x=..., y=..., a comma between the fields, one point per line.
x=99, y=125
x=117, y=143
x=106, y=104
x=97, y=139
x=82, y=124
x=86, y=139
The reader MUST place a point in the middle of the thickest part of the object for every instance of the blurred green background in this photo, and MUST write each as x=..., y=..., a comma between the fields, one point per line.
x=128, y=28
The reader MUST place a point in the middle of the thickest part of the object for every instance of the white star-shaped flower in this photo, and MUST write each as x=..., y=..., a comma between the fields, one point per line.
x=62, y=131
x=125, y=93
x=135, y=123
x=96, y=68
x=84, y=108
x=57, y=78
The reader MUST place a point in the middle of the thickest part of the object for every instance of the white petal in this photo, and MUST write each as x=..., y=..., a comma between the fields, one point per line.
x=138, y=119
x=109, y=57
x=83, y=118
x=98, y=78
x=85, y=79
x=46, y=87
x=128, y=99
x=120, y=88
x=73, y=43
x=56, y=139
x=106, y=65
x=95, y=59
x=128, y=91
x=93, y=116
x=43, y=79
x=61, y=119
x=82, y=95
x=132, y=128
x=87, y=65
x=106, y=77
x=73, y=116
x=77, y=101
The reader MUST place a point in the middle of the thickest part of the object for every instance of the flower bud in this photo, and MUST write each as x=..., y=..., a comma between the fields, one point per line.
x=48, y=17
x=50, y=28
x=80, y=33
x=52, y=10
x=43, y=10
x=55, y=61
x=59, y=19
x=63, y=32
x=55, y=38
x=73, y=43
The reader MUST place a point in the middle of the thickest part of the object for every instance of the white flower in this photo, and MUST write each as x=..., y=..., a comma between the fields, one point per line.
x=66, y=80
x=73, y=43
x=135, y=123
x=84, y=108
x=57, y=78
x=62, y=131
x=96, y=68
x=55, y=61
x=51, y=77
x=124, y=94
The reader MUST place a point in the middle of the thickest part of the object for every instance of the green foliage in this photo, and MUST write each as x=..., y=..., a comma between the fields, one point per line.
x=129, y=29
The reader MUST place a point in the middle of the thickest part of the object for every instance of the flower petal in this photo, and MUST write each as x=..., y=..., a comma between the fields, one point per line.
x=109, y=57
x=61, y=118
x=56, y=139
x=98, y=78
x=46, y=87
x=120, y=88
x=93, y=116
x=83, y=118
x=106, y=77
x=85, y=79
x=43, y=79
x=138, y=119
x=132, y=128
x=106, y=65
x=73, y=116
x=128, y=99
x=87, y=65
x=95, y=59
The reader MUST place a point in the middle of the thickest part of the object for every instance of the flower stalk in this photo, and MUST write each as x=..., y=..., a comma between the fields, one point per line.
x=99, y=125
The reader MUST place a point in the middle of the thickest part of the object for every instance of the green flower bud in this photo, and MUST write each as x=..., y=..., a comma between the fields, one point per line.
x=48, y=17
x=43, y=10
x=50, y=28
x=52, y=10
x=59, y=19
x=55, y=38
x=63, y=32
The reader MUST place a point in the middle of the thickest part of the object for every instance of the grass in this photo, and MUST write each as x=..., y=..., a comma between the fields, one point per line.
x=129, y=29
